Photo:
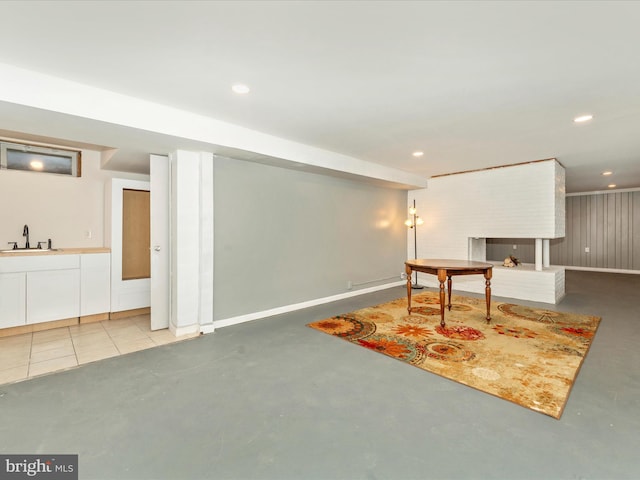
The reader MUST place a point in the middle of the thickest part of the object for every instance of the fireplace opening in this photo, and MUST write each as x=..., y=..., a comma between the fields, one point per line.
x=533, y=251
x=524, y=249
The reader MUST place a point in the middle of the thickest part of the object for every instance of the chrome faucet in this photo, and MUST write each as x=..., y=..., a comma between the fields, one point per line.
x=25, y=233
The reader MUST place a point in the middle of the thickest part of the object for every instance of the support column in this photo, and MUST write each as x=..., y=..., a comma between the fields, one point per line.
x=546, y=260
x=192, y=242
x=538, y=254
x=206, y=243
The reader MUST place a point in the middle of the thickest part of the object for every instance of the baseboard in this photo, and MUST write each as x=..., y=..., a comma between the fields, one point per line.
x=188, y=330
x=227, y=322
x=37, y=327
x=98, y=317
x=205, y=329
x=129, y=313
x=603, y=270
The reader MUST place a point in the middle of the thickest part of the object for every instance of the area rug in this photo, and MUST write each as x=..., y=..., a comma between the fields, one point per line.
x=525, y=355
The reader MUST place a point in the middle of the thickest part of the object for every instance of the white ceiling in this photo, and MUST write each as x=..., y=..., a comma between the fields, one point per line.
x=472, y=84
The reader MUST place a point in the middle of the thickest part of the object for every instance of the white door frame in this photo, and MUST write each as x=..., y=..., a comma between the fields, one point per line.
x=160, y=241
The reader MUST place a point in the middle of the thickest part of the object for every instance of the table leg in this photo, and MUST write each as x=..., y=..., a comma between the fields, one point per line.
x=487, y=276
x=449, y=290
x=442, y=276
x=409, y=273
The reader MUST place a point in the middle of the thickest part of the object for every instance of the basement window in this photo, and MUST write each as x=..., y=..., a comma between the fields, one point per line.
x=40, y=159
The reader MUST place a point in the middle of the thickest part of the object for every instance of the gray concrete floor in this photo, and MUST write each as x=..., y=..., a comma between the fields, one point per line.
x=272, y=399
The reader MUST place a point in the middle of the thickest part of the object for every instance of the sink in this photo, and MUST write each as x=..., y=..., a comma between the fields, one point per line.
x=29, y=250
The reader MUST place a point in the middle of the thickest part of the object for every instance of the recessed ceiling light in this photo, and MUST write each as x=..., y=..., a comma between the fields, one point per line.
x=240, y=88
x=583, y=118
x=607, y=173
x=417, y=154
x=612, y=185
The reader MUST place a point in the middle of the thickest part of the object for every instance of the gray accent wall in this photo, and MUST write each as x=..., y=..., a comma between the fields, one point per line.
x=284, y=236
x=608, y=224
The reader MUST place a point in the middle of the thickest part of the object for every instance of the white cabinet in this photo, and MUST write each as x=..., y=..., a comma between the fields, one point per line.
x=12, y=299
x=53, y=295
x=43, y=288
x=53, y=287
x=95, y=283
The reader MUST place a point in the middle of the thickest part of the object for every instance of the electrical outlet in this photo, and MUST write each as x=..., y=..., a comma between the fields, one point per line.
x=586, y=249
x=349, y=285
x=403, y=276
x=88, y=234
x=515, y=247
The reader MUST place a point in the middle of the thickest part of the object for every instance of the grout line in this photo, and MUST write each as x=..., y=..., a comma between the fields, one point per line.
x=75, y=352
x=145, y=330
x=116, y=345
x=30, y=352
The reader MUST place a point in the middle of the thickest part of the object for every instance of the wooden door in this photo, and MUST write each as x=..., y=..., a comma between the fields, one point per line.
x=136, y=237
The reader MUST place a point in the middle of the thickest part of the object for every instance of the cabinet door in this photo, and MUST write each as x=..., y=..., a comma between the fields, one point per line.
x=12, y=299
x=53, y=295
x=95, y=284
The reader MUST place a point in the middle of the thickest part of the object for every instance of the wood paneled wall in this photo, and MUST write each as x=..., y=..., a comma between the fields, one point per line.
x=607, y=223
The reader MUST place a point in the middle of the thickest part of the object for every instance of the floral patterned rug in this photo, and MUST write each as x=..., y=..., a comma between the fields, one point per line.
x=525, y=355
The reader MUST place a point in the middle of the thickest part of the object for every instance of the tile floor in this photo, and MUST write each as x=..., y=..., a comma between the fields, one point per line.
x=33, y=354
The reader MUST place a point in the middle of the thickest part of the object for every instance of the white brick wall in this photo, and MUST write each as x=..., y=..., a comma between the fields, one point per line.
x=522, y=282
x=560, y=194
x=519, y=201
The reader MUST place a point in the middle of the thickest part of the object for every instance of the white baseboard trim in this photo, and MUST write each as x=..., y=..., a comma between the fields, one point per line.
x=208, y=328
x=604, y=270
x=186, y=330
x=227, y=322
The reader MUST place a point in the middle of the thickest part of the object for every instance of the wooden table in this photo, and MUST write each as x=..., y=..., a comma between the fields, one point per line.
x=445, y=269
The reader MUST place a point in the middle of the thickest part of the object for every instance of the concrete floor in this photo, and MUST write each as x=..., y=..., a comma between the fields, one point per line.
x=272, y=399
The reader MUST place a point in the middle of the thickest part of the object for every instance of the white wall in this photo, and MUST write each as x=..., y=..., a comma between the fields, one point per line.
x=191, y=241
x=518, y=201
x=59, y=207
x=62, y=208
